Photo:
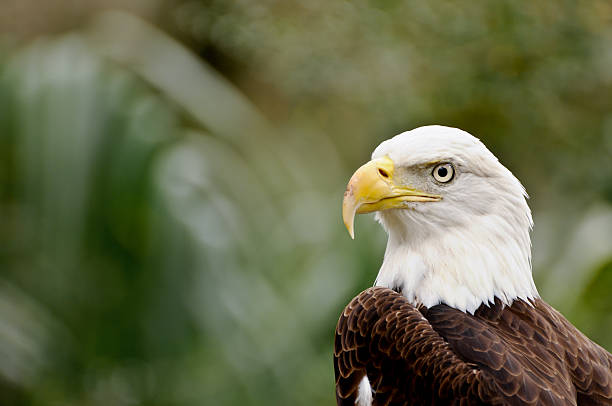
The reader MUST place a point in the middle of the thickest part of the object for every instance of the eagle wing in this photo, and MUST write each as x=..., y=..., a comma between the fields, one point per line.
x=512, y=356
x=589, y=365
x=382, y=335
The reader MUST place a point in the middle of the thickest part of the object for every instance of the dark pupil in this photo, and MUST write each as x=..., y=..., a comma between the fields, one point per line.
x=442, y=172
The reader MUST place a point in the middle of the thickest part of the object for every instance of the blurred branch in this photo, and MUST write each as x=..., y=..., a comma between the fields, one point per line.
x=214, y=102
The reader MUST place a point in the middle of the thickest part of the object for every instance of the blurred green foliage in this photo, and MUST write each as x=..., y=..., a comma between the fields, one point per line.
x=170, y=222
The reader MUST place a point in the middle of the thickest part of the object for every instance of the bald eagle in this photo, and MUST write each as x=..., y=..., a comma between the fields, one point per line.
x=454, y=316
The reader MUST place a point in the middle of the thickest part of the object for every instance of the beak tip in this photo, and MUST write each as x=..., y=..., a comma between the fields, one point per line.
x=350, y=228
x=348, y=215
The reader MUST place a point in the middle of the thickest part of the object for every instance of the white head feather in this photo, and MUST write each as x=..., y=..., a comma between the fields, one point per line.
x=471, y=246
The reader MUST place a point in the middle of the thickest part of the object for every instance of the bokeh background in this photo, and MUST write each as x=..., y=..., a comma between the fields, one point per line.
x=171, y=173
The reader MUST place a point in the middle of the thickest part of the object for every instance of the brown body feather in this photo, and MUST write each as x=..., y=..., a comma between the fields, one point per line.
x=523, y=354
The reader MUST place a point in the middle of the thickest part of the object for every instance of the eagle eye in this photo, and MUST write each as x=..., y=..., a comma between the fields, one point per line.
x=443, y=173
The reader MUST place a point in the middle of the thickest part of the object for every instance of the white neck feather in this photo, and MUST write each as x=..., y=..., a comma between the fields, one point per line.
x=464, y=265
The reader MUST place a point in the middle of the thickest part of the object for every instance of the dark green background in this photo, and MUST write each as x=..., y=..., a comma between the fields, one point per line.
x=171, y=178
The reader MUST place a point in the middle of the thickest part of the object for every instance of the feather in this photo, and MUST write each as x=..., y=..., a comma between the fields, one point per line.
x=442, y=355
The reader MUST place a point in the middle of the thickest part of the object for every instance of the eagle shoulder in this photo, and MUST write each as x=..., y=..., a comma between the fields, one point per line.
x=524, y=354
x=381, y=334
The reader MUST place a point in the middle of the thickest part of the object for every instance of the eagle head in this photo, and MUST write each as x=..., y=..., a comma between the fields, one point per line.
x=457, y=220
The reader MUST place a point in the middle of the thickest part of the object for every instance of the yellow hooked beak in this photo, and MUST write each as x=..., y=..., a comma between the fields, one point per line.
x=372, y=188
